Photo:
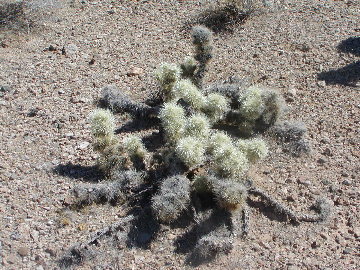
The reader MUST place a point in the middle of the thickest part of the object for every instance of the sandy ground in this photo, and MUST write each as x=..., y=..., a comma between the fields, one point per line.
x=293, y=46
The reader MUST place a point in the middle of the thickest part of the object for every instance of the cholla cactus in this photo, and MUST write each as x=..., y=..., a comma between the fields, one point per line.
x=216, y=107
x=202, y=39
x=191, y=151
x=230, y=162
x=198, y=126
x=217, y=141
x=172, y=118
x=172, y=199
x=254, y=149
x=230, y=194
x=190, y=94
x=188, y=67
x=252, y=105
x=167, y=75
x=102, y=128
x=134, y=146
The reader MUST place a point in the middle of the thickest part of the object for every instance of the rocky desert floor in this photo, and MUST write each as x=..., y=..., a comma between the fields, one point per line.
x=52, y=74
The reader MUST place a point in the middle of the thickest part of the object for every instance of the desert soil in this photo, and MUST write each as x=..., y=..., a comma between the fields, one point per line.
x=292, y=46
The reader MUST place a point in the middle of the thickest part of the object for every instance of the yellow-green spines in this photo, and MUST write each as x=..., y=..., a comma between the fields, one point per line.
x=134, y=146
x=188, y=66
x=255, y=149
x=102, y=128
x=167, y=75
x=190, y=94
x=230, y=162
x=197, y=126
x=102, y=123
x=229, y=194
x=172, y=119
x=191, y=151
x=216, y=106
x=273, y=106
x=252, y=104
x=218, y=140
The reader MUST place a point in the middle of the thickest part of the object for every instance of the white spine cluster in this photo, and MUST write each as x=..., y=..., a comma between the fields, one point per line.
x=255, y=149
x=102, y=128
x=173, y=121
x=167, y=75
x=191, y=151
x=190, y=94
x=134, y=146
x=216, y=106
x=198, y=126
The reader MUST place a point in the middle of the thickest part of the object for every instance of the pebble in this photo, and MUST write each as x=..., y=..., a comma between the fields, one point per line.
x=347, y=250
x=135, y=72
x=52, y=48
x=51, y=252
x=5, y=88
x=321, y=83
x=321, y=161
x=83, y=145
x=11, y=259
x=324, y=236
x=346, y=182
x=32, y=112
x=291, y=94
x=39, y=267
x=70, y=49
x=327, y=152
x=23, y=251
x=35, y=235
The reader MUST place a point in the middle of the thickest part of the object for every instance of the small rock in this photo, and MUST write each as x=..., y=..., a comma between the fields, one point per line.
x=111, y=12
x=325, y=182
x=325, y=141
x=3, y=103
x=23, y=251
x=321, y=161
x=347, y=250
x=70, y=135
x=357, y=232
x=321, y=83
x=51, y=252
x=327, y=152
x=11, y=259
x=315, y=244
x=70, y=49
x=306, y=183
x=35, y=235
x=83, y=145
x=346, y=182
x=291, y=94
x=323, y=236
x=52, y=48
x=135, y=72
x=4, y=89
x=264, y=244
x=32, y=112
